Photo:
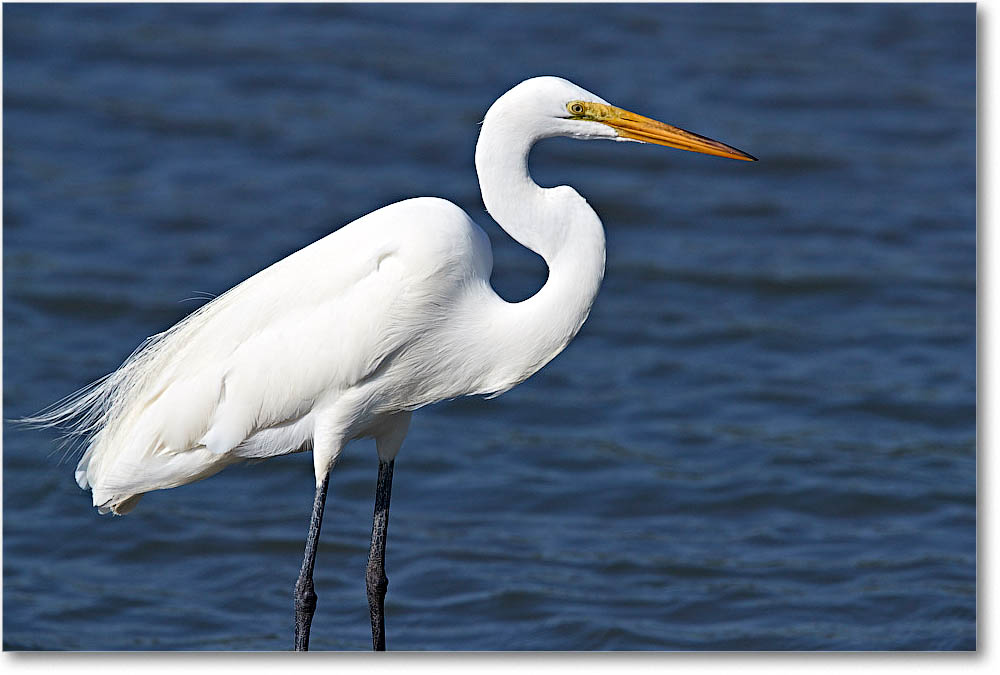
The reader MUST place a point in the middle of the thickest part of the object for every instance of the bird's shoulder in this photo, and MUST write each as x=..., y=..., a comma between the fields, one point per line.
x=421, y=234
x=428, y=232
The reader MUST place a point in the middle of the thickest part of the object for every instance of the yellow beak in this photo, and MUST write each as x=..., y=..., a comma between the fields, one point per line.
x=639, y=128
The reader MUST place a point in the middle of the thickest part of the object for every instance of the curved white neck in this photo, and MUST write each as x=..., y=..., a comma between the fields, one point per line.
x=558, y=224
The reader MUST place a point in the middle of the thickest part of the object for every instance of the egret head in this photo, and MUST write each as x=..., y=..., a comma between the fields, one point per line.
x=552, y=106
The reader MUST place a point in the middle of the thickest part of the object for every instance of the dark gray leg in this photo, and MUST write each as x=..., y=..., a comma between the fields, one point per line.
x=377, y=582
x=305, y=596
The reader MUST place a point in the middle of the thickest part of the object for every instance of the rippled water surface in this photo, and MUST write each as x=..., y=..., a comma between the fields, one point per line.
x=763, y=437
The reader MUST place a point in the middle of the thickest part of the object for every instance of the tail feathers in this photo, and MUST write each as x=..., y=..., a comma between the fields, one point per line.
x=118, y=505
x=119, y=481
x=81, y=469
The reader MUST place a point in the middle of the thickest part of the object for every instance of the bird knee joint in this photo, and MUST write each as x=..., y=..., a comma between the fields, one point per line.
x=305, y=597
x=377, y=584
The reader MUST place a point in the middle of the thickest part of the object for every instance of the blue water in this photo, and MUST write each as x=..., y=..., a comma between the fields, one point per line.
x=763, y=437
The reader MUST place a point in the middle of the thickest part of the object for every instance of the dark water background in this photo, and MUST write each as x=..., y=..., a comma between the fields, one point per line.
x=763, y=438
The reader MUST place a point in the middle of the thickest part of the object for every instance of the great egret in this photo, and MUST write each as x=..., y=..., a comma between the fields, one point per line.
x=345, y=338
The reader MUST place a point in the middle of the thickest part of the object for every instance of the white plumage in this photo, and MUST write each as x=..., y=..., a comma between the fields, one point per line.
x=346, y=337
x=319, y=335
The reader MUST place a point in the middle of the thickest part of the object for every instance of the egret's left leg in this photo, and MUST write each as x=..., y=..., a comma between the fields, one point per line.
x=388, y=439
x=377, y=582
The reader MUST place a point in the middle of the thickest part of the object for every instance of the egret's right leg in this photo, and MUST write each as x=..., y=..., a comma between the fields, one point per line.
x=327, y=445
x=305, y=595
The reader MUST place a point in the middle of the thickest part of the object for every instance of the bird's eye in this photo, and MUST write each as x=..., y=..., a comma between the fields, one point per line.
x=576, y=108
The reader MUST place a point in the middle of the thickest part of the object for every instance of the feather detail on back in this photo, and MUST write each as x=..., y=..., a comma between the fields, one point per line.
x=243, y=376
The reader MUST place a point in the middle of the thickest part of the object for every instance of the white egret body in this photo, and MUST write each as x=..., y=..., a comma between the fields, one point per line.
x=346, y=337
